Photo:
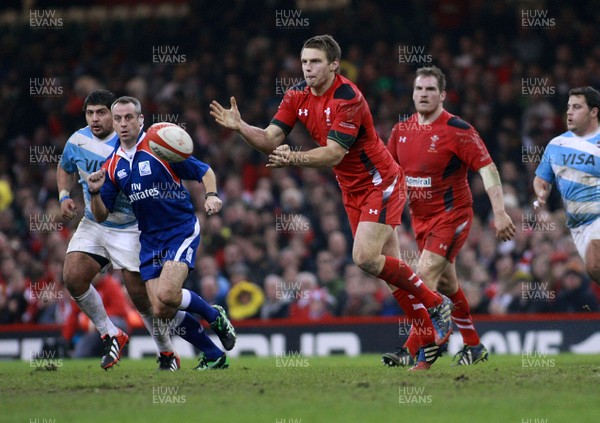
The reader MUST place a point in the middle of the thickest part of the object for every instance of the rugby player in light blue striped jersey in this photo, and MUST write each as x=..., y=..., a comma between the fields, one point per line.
x=572, y=161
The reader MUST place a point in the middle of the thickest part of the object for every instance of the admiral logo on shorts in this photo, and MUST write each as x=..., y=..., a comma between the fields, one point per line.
x=418, y=182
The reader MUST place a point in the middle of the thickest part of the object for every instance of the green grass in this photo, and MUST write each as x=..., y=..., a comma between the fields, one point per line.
x=563, y=388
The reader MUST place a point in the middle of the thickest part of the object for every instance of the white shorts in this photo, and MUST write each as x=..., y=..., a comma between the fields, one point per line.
x=582, y=235
x=120, y=246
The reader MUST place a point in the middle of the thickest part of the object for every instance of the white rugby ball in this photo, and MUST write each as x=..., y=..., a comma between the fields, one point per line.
x=169, y=142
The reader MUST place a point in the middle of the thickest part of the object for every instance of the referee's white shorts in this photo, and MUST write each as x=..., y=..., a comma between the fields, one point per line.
x=584, y=234
x=120, y=246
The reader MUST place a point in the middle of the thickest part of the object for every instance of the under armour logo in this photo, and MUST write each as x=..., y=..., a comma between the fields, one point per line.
x=444, y=247
x=373, y=211
x=302, y=112
x=402, y=139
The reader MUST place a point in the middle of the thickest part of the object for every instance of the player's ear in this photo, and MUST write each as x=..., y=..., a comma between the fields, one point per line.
x=141, y=120
x=443, y=96
x=335, y=65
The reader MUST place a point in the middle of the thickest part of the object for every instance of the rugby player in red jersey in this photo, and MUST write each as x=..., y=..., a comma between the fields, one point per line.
x=339, y=120
x=436, y=149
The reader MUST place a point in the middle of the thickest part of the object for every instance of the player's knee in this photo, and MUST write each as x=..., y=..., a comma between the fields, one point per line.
x=76, y=283
x=167, y=297
x=365, y=261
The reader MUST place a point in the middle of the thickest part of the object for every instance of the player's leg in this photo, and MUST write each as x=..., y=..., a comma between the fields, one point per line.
x=587, y=242
x=367, y=254
x=171, y=274
x=123, y=246
x=415, y=312
x=184, y=299
x=85, y=258
x=429, y=268
x=157, y=327
x=179, y=321
x=473, y=350
x=442, y=245
x=373, y=217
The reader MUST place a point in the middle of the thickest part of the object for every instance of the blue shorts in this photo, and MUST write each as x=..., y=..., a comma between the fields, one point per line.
x=177, y=244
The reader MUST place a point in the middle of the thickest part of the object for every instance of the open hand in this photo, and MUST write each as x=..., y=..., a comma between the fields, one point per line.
x=228, y=118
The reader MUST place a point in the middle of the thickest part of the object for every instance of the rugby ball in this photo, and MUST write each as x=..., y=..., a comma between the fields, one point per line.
x=169, y=142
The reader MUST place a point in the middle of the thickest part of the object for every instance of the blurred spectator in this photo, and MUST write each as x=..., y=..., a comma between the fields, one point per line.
x=244, y=300
x=277, y=299
x=313, y=303
x=575, y=294
x=328, y=273
x=209, y=290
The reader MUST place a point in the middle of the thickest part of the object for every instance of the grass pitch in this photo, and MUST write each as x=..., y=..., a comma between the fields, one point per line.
x=561, y=388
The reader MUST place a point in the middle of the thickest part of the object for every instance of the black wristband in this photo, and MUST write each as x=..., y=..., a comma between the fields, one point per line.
x=210, y=194
x=93, y=192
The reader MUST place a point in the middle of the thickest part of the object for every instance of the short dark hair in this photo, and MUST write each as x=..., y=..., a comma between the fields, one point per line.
x=127, y=100
x=99, y=98
x=592, y=97
x=327, y=44
x=435, y=72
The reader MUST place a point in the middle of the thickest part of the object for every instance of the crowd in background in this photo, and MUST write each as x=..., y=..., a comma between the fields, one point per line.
x=281, y=246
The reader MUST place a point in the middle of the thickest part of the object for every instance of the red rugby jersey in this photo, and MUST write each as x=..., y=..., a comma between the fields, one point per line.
x=343, y=115
x=435, y=158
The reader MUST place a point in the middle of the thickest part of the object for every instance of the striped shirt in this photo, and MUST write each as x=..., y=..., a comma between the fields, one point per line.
x=573, y=162
x=85, y=153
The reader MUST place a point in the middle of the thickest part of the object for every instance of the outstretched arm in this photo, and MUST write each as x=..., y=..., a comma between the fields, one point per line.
x=326, y=156
x=265, y=140
x=505, y=228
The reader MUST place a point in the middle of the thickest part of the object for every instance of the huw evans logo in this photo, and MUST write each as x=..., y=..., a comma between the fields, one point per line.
x=168, y=55
x=291, y=19
x=44, y=19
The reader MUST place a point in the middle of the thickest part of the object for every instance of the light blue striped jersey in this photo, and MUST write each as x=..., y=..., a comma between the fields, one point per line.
x=574, y=164
x=85, y=153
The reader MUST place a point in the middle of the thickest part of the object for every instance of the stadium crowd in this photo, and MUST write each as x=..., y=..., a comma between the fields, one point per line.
x=281, y=246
